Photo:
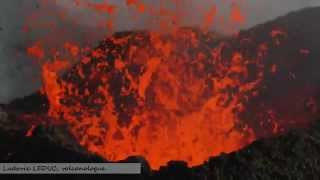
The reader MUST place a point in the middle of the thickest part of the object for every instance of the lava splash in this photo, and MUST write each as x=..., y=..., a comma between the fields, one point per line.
x=187, y=94
x=161, y=96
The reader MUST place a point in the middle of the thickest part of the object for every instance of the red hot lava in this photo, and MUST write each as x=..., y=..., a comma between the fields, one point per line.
x=164, y=96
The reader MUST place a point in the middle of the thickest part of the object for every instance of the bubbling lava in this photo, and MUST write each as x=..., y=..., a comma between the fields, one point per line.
x=179, y=95
x=162, y=96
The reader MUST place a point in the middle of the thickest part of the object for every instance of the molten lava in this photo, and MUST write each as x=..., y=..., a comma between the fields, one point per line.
x=160, y=96
x=179, y=95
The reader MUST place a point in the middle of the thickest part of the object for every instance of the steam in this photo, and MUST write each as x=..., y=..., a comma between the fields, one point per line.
x=255, y=11
x=16, y=71
x=19, y=75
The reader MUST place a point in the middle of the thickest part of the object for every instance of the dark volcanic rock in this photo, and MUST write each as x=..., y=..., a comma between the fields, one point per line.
x=295, y=155
x=35, y=103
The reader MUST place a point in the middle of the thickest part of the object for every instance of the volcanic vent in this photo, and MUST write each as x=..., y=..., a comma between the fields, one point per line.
x=160, y=96
x=188, y=94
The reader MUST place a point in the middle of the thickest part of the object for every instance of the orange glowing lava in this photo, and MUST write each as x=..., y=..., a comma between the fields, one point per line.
x=173, y=95
x=159, y=96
